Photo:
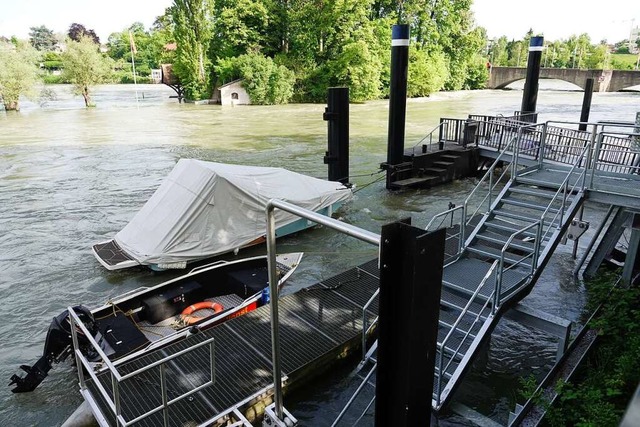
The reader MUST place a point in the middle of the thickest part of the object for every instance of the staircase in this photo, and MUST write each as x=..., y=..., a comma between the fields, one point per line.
x=503, y=245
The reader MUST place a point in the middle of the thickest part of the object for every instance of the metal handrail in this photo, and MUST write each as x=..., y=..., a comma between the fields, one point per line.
x=350, y=230
x=430, y=136
x=444, y=214
x=365, y=328
x=564, y=186
x=501, y=269
x=487, y=176
x=463, y=313
x=355, y=394
x=117, y=378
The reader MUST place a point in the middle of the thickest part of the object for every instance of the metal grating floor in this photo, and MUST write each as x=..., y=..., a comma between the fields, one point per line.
x=312, y=322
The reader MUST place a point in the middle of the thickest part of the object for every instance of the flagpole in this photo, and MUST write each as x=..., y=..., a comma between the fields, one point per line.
x=133, y=65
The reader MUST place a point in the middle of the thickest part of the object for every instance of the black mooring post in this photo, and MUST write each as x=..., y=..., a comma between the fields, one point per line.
x=337, y=115
x=530, y=95
x=411, y=264
x=397, y=98
x=586, y=104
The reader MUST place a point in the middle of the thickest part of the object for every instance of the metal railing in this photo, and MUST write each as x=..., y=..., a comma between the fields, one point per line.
x=452, y=236
x=497, y=295
x=617, y=152
x=565, y=192
x=442, y=346
x=365, y=327
x=113, y=399
x=427, y=147
x=347, y=229
x=489, y=197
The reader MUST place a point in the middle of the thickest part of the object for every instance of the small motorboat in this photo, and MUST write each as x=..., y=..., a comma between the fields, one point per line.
x=148, y=318
x=205, y=209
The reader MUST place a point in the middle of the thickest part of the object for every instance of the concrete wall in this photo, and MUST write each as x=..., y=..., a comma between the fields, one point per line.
x=227, y=96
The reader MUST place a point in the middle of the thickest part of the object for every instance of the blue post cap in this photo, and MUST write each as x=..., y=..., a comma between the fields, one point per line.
x=536, y=41
x=399, y=32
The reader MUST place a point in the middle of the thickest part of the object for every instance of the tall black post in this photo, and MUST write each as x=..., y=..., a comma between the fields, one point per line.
x=397, y=98
x=530, y=95
x=337, y=116
x=411, y=264
x=586, y=104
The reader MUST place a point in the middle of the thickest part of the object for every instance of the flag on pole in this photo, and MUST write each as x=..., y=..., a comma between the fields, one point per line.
x=132, y=43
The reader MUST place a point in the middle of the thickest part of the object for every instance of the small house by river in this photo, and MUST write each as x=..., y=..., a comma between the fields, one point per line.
x=233, y=93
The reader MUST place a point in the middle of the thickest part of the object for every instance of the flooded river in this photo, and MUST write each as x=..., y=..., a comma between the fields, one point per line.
x=71, y=177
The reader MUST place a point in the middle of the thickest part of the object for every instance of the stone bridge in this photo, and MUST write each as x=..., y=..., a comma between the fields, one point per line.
x=604, y=80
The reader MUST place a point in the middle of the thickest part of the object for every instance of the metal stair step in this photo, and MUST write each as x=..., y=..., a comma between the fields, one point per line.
x=499, y=224
x=492, y=253
x=457, y=301
x=436, y=171
x=501, y=239
x=532, y=191
x=502, y=212
x=450, y=157
x=411, y=182
x=527, y=204
x=443, y=163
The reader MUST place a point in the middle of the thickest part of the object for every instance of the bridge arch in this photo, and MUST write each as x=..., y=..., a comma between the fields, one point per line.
x=605, y=80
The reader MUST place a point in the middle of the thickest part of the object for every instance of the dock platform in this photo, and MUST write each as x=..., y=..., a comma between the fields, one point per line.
x=322, y=321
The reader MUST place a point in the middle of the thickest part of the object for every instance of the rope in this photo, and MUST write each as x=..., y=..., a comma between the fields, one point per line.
x=372, y=182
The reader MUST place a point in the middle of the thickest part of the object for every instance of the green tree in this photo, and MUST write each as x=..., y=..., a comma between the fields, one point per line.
x=498, y=54
x=427, y=72
x=19, y=74
x=241, y=26
x=84, y=67
x=265, y=81
x=193, y=30
x=42, y=38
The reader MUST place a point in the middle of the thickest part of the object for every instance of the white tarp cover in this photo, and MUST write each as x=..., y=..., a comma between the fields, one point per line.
x=203, y=209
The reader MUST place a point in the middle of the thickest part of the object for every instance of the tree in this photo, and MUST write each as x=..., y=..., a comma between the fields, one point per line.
x=265, y=81
x=42, y=38
x=19, y=74
x=192, y=20
x=427, y=72
x=84, y=66
x=77, y=31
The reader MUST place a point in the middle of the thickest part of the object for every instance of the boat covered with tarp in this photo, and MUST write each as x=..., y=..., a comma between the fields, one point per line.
x=204, y=209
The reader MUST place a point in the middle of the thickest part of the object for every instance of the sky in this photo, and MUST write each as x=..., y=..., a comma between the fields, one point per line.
x=555, y=19
x=558, y=19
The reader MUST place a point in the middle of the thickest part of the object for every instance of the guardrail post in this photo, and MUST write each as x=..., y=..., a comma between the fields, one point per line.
x=411, y=263
x=586, y=104
x=337, y=115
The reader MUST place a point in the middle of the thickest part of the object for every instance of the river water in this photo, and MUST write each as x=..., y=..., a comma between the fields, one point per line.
x=71, y=176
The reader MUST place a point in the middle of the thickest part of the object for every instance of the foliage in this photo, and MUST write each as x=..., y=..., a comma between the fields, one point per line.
x=85, y=66
x=78, y=31
x=624, y=61
x=192, y=33
x=42, y=38
x=611, y=372
x=427, y=72
x=265, y=81
x=241, y=27
x=18, y=74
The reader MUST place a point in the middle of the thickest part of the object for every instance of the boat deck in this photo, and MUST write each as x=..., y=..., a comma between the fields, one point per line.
x=155, y=331
x=313, y=322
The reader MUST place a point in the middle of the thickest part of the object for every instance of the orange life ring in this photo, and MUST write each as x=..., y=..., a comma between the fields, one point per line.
x=190, y=320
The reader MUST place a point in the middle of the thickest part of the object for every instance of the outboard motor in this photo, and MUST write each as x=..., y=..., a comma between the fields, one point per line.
x=57, y=347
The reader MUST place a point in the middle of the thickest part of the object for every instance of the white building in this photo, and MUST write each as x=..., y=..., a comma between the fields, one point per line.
x=233, y=93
